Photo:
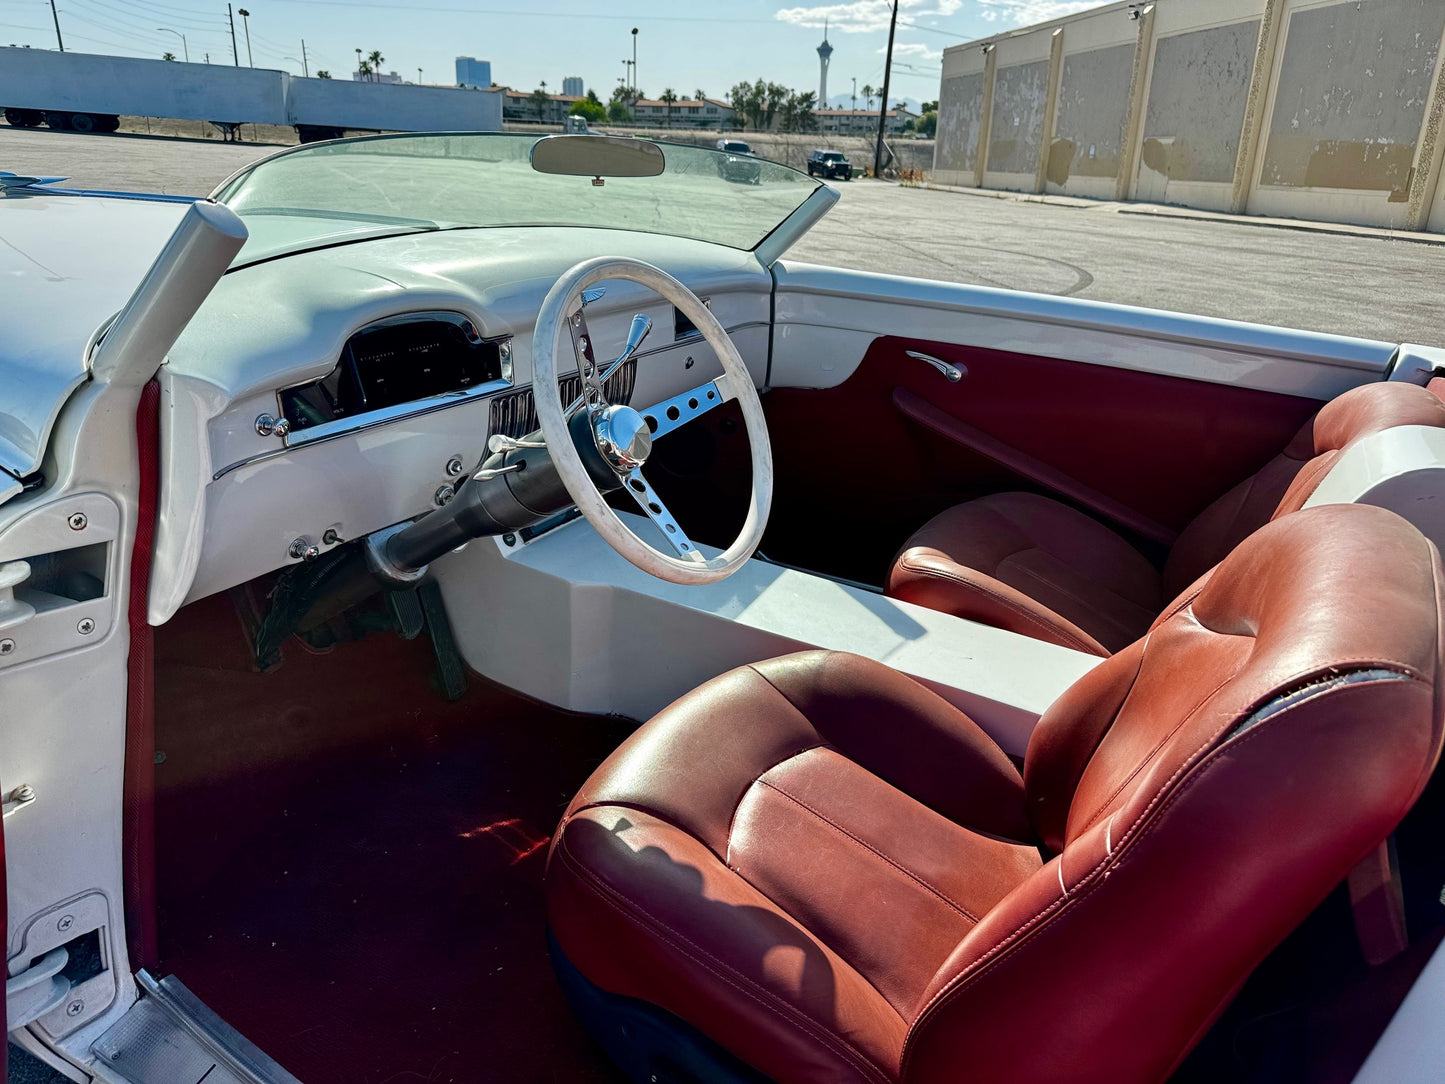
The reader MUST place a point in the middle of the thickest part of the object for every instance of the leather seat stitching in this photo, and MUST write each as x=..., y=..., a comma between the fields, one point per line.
x=733, y=817
x=645, y=920
x=1035, y=619
x=1148, y=758
x=1086, y=884
x=874, y=851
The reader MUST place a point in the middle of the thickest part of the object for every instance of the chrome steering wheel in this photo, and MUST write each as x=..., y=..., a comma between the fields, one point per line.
x=624, y=436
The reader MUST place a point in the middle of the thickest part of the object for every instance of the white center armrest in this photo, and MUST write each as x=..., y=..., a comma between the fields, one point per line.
x=566, y=620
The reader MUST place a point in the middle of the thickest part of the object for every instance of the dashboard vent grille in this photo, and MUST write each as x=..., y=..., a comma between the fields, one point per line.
x=515, y=413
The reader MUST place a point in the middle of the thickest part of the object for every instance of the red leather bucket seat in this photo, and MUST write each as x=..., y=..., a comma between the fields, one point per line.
x=835, y=875
x=1040, y=568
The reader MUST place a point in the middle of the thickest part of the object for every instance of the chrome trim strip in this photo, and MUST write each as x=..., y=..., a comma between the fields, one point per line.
x=1342, y=351
x=418, y=407
x=146, y=197
x=415, y=409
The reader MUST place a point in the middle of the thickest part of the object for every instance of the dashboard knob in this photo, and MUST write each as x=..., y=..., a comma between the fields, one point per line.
x=267, y=426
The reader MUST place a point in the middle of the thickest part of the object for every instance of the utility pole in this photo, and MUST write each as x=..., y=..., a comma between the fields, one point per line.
x=883, y=109
x=235, y=53
x=56, y=17
x=246, y=22
x=305, y=69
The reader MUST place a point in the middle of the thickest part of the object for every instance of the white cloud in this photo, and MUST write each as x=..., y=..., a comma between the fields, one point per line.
x=912, y=49
x=1028, y=12
x=865, y=16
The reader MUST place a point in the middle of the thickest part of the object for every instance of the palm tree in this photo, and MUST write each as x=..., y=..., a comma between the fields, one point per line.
x=364, y=68
x=868, y=93
x=669, y=98
x=700, y=95
x=376, y=62
x=168, y=56
x=540, y=100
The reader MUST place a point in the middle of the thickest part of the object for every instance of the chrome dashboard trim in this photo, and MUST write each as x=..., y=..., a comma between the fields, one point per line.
x=332, y=430
x=415, y=409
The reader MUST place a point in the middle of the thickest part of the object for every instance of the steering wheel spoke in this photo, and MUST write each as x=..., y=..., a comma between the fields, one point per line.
x=676, y=412
x=592, y=396
x=656, y=511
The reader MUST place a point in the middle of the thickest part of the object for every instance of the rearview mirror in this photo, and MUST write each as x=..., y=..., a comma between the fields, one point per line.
x=597, y=156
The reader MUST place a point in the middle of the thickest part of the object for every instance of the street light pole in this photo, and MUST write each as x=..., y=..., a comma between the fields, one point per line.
x=246, y=22
x=185, y=49
x=418, y=77
x=235, y=54
x=634, y=62
x=53, y=15
x=883, y=109
x=305, y=68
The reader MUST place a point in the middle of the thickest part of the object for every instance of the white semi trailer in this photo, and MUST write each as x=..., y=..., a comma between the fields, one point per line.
x=85, y=92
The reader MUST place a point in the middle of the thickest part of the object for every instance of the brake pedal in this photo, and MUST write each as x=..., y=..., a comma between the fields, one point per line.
x=451, y=670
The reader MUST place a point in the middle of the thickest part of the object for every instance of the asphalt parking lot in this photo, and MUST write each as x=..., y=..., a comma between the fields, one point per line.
x=1375, y=288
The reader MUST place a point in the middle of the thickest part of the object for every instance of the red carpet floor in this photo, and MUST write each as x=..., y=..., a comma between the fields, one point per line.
x=350, y=868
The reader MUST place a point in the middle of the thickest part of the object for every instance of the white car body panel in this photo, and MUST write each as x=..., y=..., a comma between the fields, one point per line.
x=59, y=288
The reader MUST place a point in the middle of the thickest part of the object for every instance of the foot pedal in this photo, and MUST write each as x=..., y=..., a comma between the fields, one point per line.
x=451, y=670
x=406, y=611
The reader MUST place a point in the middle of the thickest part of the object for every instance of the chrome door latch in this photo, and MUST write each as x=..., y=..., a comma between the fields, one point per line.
x=954, y=373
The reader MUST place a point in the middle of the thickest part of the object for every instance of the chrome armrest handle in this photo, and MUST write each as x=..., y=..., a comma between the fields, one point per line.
x=954, y=373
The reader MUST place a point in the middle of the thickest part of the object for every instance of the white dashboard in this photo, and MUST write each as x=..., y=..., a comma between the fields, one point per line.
x=237, y=500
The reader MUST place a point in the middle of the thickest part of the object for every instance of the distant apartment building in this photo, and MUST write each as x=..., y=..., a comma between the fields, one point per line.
x=520, y=105
x=685, y=113
x=376, y=77
x=572, y=86
x=472, y=72
x=861, y=121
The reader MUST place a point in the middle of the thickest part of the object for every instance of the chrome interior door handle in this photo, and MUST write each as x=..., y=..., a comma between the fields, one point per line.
x=954, y=373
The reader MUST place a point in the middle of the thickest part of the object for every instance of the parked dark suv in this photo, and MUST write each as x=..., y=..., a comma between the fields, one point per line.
x=830, y=165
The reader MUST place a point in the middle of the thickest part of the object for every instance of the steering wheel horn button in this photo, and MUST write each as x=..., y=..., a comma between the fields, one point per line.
x=623, y=437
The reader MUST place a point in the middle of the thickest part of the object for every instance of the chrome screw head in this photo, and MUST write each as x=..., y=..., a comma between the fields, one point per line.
x=6, y=646
x=454, y=466
x=85, y=626
x=443, y=495
x=77, y=521
x=303, y=549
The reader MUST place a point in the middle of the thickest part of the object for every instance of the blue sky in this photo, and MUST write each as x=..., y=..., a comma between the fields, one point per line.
x=704, y=44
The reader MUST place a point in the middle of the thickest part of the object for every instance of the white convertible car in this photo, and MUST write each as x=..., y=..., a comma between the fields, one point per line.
x=470, y=609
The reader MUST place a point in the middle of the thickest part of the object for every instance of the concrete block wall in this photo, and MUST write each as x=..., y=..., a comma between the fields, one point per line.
x=1320, y=109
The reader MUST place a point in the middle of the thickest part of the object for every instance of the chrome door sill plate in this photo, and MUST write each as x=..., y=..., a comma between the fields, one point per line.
x=170, y=1037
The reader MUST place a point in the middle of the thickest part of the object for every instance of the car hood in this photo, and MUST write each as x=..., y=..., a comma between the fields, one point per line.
x=67, y=264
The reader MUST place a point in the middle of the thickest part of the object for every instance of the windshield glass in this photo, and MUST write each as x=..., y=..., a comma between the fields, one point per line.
x=387, y=185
